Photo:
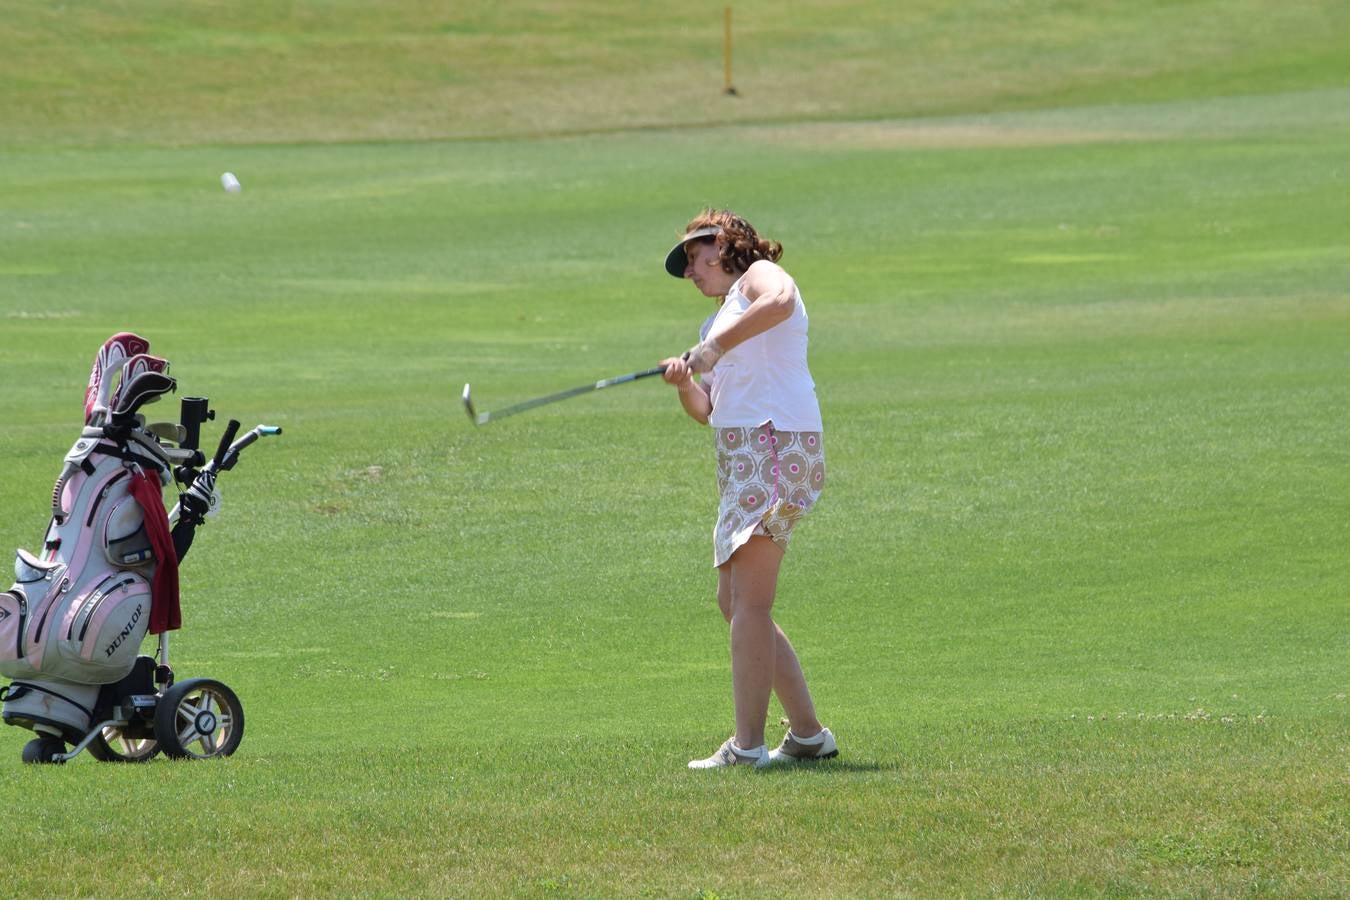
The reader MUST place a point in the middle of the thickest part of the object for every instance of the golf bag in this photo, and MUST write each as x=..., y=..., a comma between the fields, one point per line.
x=72, y=625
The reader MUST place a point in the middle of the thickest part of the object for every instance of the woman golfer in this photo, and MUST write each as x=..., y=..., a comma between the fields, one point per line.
x=757, y=394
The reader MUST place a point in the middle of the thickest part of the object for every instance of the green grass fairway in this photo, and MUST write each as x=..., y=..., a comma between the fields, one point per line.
x=83, y=73
x=1075, y=598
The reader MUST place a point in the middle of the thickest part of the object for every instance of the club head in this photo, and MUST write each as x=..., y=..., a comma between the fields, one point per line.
x=168, y=431
x=468, y=408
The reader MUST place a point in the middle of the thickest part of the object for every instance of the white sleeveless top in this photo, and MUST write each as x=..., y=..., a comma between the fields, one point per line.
x=765, y=378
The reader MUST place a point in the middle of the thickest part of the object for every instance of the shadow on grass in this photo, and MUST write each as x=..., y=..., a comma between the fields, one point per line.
x=827, y=767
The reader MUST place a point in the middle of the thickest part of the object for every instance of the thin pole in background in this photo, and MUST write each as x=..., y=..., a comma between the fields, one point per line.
x=726, y=54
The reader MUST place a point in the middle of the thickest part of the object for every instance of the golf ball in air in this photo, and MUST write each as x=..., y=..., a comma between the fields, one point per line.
x=230, y=183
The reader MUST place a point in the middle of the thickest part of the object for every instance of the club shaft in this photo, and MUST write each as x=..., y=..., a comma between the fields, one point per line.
x=486, y=417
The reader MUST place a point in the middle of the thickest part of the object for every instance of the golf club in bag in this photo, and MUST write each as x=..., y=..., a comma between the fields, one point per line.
x=72, y=625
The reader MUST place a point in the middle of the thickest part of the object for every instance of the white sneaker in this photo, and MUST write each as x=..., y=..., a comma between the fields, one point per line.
x=730, y=755
x=795, y=749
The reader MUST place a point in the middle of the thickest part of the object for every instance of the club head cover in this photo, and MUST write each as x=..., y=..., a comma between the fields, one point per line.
x=115, y=351
x=134, y=368
x=143, y=381
x=202, y=499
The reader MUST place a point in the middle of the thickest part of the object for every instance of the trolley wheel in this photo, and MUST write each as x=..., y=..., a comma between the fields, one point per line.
x=123, y=745
x=43, y=750
x=199, y=718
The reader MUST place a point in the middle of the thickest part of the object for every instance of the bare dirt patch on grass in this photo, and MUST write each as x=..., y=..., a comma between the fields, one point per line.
x=901, y=135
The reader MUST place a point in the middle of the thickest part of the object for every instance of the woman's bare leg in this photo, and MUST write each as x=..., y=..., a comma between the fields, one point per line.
x=747, y=585
x=790, y=685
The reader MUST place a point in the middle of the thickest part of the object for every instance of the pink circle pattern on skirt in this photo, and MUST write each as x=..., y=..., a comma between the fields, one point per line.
x=767, y=480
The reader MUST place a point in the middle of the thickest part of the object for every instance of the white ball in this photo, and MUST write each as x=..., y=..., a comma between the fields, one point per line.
x=230, y=183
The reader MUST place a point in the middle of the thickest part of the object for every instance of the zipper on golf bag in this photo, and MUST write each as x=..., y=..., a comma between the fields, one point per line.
x=101, y=593
x=13, y=616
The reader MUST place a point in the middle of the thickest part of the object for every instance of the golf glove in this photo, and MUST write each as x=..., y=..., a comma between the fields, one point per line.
x=203, y=498
x=703, y=356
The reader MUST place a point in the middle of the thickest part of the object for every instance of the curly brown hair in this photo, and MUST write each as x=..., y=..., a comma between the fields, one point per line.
x=738, y=243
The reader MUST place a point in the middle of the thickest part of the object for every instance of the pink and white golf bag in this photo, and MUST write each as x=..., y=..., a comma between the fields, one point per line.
x=107, y=570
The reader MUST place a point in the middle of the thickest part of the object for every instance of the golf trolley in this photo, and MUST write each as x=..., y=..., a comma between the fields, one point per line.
x=72, y=625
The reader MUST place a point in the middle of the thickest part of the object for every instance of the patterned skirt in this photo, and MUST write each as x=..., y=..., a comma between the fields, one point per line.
x=768, y=480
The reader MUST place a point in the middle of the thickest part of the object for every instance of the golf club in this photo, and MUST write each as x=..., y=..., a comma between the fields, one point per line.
x=482, y=418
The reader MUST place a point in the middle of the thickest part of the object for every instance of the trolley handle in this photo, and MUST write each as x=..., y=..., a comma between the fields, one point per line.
x=232, y=454
x=231, y=429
